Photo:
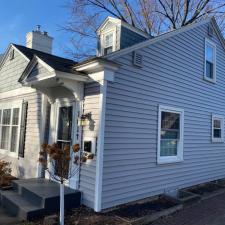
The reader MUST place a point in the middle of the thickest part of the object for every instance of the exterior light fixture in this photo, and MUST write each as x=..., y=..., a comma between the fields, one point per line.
x=84, y=120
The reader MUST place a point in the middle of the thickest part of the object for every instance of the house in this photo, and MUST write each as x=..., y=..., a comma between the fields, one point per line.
x=155, y=108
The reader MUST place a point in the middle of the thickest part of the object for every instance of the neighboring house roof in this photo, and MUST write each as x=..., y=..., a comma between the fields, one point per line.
x=56, y=62
x=163, y=36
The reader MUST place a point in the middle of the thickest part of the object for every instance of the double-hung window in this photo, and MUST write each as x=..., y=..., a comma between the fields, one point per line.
x=217, y=128
x=10, y=114
x=210, y=61
x=108, y=43
x=170, y=134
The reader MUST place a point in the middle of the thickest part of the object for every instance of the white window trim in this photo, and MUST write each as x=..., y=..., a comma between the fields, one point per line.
x=11, y=105
x=221, y=118
x=213, y=45
x=113, y=31
x=179, y=157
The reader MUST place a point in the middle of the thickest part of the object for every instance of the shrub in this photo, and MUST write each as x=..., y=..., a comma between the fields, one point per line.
x=5, y=168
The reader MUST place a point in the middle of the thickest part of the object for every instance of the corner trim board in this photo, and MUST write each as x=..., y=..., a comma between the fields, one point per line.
x=100, y=147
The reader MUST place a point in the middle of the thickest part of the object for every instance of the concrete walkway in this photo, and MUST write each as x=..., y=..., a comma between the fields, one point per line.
x=6, y=219
x=207, y=212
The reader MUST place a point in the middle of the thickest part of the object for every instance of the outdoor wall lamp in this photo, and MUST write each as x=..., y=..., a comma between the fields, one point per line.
x=84, y=119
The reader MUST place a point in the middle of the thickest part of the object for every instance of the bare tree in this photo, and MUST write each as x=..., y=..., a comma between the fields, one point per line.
x=152, y=16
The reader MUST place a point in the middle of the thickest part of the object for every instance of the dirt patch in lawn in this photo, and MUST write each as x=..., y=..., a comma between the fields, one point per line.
x=86, y=216
x=122, y=215
x=141, y=209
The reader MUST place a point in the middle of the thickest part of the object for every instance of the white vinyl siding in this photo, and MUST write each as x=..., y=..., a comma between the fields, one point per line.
x=10, y=114
x=210, y=61
x=170, y=134
x=172, y=74
x=217, y=128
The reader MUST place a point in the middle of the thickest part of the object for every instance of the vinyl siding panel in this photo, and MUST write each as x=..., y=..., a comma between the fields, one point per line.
x=11, y=72
x=172, y=75
x=38, y=69
x=129, y=37
x=88, y=169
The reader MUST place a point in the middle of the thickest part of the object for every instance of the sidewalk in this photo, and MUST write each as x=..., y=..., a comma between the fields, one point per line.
x=208, y=212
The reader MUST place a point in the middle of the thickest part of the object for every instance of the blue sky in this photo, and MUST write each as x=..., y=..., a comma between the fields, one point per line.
x=17, y=17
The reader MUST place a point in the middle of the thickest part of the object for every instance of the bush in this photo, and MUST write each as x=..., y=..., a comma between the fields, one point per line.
x=5, y=168
x=5, y=173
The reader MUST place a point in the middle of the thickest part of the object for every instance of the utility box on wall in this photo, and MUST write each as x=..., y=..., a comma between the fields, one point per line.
x=89, y=145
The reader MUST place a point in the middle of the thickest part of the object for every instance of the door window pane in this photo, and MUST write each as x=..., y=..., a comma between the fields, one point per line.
x=64, y=136
x=65, y=123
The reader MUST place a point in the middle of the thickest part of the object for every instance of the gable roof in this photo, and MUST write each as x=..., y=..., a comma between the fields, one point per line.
x=166, y=35
x=56, y=62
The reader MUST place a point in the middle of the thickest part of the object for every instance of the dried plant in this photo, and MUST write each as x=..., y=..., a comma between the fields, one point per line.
x=5, y=168
x=59, y=161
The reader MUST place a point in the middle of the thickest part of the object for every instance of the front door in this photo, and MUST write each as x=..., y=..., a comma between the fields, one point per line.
x=64, y=134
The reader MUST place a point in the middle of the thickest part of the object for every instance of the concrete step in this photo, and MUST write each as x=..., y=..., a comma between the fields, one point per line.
x=31, y=198
x=17, y=206
x=46, y=194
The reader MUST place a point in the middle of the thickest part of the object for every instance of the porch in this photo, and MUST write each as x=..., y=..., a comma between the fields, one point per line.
x=31, y=198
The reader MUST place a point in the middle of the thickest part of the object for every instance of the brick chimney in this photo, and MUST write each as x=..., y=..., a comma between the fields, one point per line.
x=39, y=40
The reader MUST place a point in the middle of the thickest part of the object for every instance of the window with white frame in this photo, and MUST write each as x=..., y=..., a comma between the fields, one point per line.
x=170, y=134
x=108, y=42
x=210, y=61
x=9, y=127
x=217, y=128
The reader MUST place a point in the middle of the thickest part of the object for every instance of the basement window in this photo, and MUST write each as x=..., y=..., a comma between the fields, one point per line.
x=170, y=134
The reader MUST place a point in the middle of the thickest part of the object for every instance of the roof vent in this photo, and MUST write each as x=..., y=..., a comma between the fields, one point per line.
x=210, y=30
x=137, y=59
x=11, y=54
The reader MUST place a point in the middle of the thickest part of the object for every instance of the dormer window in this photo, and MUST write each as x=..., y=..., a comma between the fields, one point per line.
x=108, y=42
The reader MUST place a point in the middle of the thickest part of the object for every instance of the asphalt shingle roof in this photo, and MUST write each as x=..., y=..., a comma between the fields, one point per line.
x=56, y=62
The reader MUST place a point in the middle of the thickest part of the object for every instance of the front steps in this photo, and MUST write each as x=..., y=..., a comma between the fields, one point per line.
x=31, y=198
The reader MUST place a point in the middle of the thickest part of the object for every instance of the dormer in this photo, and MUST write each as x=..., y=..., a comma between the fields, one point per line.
x=114, y=34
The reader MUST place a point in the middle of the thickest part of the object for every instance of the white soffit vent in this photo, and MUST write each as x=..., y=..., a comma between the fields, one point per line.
x=210, y=30
x=137, y=59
